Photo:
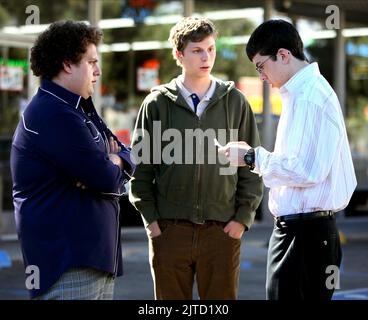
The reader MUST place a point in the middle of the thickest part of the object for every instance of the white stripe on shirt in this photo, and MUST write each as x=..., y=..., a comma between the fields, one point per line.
x=311, y=168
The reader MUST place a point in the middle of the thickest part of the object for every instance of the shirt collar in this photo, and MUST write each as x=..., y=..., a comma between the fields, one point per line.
x=208, y=95
x=60, y=93
x=296, y=82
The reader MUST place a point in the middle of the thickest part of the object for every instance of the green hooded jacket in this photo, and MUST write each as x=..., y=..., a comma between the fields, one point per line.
x=179, y=174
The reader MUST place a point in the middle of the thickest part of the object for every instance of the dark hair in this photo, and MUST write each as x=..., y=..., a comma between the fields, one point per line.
x=190, y=29
x=272, y=35
x=61, y=41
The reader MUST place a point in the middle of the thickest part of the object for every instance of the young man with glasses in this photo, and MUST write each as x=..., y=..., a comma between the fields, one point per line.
x=310, y=172
x=259, y=66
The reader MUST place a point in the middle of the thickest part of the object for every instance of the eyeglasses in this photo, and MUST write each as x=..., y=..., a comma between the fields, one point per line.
x=259, y=68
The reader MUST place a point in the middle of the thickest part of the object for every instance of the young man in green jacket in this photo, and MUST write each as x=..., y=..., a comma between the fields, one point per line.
x=195, y=209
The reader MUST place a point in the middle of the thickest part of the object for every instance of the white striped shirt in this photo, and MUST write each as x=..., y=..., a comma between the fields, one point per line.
x=311, y=168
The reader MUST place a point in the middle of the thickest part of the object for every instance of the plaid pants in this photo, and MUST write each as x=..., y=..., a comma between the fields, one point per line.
x=81, y=284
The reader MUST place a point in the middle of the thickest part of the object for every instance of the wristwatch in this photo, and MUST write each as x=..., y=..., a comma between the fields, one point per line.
x=249, y=158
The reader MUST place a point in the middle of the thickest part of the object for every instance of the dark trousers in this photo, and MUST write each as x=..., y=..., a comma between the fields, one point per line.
x=186, y=251
x=302, y=256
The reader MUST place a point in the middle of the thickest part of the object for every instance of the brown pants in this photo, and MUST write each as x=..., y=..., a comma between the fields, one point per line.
x=185, y=250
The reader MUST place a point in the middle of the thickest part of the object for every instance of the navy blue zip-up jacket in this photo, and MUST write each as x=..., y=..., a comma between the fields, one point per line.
x=60, y=141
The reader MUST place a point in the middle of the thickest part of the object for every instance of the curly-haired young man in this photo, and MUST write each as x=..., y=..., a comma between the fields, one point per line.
x=195, y=217
x=68, y=171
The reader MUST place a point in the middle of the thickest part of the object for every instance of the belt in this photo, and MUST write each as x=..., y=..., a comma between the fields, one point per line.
x=193, y=224
x=305, y=216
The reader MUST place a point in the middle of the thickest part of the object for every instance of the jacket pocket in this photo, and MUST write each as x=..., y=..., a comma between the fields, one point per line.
x=219, y=188
x=176, y=183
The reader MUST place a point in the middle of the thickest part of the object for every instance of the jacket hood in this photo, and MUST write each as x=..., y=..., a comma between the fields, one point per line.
x=172, y=91
x=222, y=90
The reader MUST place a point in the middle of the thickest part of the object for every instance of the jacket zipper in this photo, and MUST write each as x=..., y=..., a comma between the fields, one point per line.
x=117, y=239
x=198, y=182
x=198, y=193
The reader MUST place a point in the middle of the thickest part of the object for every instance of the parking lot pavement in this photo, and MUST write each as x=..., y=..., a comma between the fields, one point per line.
x=137, y=283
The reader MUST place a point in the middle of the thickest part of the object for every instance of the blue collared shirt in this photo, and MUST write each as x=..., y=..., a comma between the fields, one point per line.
x=60, y=141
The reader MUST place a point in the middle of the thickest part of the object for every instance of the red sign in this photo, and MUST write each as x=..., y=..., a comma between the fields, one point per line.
x=147, y=4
